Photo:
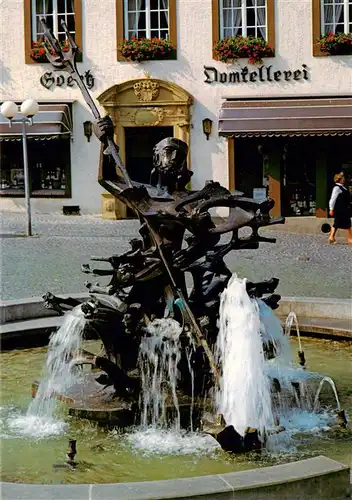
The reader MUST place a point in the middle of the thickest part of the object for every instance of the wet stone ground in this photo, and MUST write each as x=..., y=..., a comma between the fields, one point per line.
x=51, y=261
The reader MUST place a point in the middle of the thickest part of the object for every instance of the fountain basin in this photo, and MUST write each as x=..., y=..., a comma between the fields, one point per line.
x=221, y=469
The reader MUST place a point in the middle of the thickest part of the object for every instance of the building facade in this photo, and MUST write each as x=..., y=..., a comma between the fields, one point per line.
x=281, y=127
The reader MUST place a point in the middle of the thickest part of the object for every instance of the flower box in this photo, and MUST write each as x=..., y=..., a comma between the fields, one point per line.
x=228, y=49
x=147, y=49
x=336, y=44
x=38, y=53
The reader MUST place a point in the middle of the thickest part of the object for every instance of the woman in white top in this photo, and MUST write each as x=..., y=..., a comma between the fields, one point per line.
x=339, y=208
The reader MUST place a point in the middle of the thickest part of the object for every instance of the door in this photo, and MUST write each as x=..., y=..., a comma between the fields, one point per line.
x=140, y=142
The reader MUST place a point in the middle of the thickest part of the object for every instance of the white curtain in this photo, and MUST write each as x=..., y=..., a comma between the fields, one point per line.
x=338, y=12
x=165, y=5
x=232, y=17
x=329, y=20
x=136, y=19
x=260, y=11
x=261, y=21
x=45, y=7
x=41, y=10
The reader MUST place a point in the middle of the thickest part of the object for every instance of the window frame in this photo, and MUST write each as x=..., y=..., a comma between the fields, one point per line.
x=270, y=19
x=317, y=18
x=148, y=12
x=28, y=29
x=120, y=26
x=243, y=16
x=347, y=21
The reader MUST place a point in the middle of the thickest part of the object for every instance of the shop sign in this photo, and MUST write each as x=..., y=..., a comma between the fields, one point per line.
x=260, y=74
x=52, y=79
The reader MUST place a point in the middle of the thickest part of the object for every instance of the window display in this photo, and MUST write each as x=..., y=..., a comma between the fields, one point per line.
x=46, y=178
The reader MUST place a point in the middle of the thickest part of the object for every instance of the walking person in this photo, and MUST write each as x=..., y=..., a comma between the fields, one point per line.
x=339, y=208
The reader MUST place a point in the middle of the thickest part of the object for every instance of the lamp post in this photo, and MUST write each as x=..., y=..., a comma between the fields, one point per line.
x=28, y=108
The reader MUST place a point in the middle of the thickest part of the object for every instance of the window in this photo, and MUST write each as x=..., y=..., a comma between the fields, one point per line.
x=146, y=19
x=49, y=168
x=54, y=11
x=330, y=16
x=336, y=16
x=244, y=17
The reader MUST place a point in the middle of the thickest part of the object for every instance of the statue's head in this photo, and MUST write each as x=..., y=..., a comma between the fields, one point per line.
x=169, y=160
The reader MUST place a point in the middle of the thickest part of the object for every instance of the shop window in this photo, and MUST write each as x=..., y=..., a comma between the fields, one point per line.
x=250, y=170
x=244, y=17
x=330, y=16
x=298, y=171
x=49, y=168
x=146, y=19
x=54, y=12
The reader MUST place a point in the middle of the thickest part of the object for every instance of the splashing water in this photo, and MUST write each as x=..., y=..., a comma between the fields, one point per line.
x=271, y=332
x=189, y=352
x=244, y=397
x=151, y=441
x=292, y=318
x=260, y=383
x=332, y=384
x=60, y=375
x=159, y=355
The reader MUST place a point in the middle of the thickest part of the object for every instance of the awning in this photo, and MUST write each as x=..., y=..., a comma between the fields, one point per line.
x=51, y=122
x=286, y=117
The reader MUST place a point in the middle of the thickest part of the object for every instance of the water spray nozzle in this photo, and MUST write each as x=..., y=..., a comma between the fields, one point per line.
x=72, y=451
x=301, y=358
x=341, y=418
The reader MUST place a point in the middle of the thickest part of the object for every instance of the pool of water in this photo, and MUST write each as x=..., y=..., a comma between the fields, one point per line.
x=109, y=456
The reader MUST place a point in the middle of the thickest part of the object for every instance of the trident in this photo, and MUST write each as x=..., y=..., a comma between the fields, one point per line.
x=66, y=61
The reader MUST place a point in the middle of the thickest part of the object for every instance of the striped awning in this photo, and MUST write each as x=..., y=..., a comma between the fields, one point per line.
x=274, y=117
x=52, y=121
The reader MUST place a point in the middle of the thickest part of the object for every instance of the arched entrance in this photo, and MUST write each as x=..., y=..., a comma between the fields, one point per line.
x=139, y=103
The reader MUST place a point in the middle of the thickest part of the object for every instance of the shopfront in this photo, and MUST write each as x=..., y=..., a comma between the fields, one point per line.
x=49, y=154
x=288, y=149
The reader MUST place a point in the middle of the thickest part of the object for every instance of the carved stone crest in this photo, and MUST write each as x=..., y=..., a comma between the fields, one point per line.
x=146, y=90
x=149, y=116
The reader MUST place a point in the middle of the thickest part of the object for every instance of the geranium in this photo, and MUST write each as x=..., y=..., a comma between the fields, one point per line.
x=339, y=43
x=146, y=49
x=242, y=46
x=38, y=52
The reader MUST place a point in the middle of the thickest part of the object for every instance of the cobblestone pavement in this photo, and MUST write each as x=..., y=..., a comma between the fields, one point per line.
x=305, y=264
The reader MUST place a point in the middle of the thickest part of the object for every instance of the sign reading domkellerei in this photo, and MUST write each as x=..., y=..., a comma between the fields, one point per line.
x=261, y=74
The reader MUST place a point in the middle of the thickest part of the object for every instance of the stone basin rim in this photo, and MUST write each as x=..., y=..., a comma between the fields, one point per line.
x=317, y=316
x=316, y=307
x=325, y=476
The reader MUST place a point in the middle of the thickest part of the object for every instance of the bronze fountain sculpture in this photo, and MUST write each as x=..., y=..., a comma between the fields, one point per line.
x=177, y=235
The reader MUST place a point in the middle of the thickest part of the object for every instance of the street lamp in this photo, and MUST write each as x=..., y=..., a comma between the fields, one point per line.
x=28, y=108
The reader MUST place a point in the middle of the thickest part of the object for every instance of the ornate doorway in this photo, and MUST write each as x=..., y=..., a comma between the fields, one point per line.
x=145, y=102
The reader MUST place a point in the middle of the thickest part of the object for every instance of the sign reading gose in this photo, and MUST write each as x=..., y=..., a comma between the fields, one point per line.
x=50, y=79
